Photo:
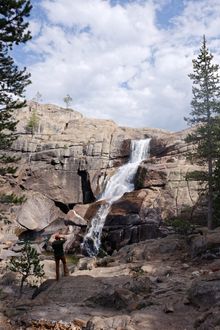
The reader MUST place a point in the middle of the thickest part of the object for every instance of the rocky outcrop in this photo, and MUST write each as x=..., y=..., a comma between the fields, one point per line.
x=67, y=160
x=142, y=286
x=169, y=175
x=205, y=293
x=130, y=221
x=117, y=322
x=69, y=155
x=161, y=193
x=207, y=242
x=61, y=170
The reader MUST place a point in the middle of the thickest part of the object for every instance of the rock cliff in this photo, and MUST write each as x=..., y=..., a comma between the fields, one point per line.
x=66, y=161
x=145, y=281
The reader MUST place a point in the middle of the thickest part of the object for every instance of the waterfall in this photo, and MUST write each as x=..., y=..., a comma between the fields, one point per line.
x=120, y=183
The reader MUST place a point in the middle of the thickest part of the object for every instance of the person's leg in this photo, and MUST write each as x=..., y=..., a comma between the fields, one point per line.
x=65, y=269
x=57, y=260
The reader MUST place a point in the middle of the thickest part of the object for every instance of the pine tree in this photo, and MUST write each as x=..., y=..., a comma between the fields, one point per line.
x=13, y=31
x=27, y=264
x=68, y=101
x=33, y=122
x=38, y=97
x=216, y=193
x=204, y=117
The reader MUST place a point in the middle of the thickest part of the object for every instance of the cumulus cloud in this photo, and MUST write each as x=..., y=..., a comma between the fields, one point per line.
x=118, y=61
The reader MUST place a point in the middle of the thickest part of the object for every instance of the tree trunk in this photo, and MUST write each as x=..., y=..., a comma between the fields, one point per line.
x=22, y=285
x=210, y=196
x=210, y=169
x=210, y=158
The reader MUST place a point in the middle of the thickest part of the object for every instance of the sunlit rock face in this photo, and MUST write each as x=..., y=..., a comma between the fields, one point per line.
x=68, y=156
x=67, y=159
x=37, y=212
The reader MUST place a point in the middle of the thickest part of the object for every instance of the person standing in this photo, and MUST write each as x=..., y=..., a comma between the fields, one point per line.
x=58, y=250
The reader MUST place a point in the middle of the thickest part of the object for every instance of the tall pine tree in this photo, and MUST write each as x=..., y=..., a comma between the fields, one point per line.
x=205, y=117
x=13, y=31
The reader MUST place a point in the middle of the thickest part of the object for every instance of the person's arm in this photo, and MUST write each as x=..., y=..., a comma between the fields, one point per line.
x=63, y=238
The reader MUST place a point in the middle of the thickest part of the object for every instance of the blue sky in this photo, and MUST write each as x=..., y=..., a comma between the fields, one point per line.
x=122, y=60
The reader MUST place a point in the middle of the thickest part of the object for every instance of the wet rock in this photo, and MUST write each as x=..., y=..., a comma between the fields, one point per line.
x=129, y=221
x=76, y=219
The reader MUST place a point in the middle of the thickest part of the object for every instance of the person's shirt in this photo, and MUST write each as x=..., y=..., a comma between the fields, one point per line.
x=57, y=246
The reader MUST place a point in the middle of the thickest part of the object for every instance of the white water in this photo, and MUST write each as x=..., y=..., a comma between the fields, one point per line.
x=120, y=183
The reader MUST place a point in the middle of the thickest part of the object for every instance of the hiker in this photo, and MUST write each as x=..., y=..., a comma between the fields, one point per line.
x=57, y=246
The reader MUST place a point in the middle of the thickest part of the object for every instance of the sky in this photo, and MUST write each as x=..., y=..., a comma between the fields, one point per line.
x=125, y=60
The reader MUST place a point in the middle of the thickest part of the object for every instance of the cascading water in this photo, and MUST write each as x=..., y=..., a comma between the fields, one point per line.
x=120, y=183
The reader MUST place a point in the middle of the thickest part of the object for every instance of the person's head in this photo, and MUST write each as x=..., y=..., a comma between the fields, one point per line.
x=57, y=236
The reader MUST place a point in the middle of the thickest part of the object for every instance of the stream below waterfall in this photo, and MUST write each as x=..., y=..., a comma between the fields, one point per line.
x=118, y=184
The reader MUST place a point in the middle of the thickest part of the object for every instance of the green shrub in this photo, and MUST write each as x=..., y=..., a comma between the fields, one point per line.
x=9, y=159
x=9, y=169
x=12, y=198
x=33, y=123
x=182, y=227
x=102, y=253
x=26, y=264
x=72, y=259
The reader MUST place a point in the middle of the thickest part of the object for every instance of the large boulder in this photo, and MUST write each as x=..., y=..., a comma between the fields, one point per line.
x=62, y=186
x=208, y=242
x=37, y=212
x=93, y=209
x=205, y=293
x=108, y=323
x=76, y=219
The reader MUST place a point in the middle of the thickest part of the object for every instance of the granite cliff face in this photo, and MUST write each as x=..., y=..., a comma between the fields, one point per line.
x=69, y=156
x=144, y=282
x=66, y=162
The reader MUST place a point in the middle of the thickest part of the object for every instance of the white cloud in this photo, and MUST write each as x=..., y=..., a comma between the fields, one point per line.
x=35, y=27
x=116, y=62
